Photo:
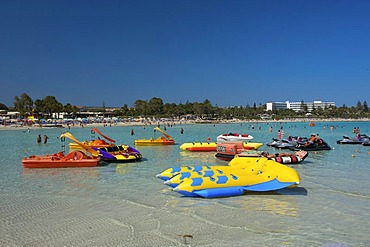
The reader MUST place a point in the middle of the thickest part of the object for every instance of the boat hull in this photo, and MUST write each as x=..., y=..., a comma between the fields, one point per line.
x=310, y=148
x=163, y=140
x=153, y=142
x=212, y=146
x=73, y=159
x=234, y=137
x=121, y=153
x=348, y=142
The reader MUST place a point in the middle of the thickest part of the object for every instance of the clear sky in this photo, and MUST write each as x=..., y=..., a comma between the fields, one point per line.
x=232, y=52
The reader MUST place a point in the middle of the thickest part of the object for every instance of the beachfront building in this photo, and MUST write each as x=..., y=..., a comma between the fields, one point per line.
x=298, y=105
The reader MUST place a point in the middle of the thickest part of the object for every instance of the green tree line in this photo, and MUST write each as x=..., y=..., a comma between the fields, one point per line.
x=155, y=107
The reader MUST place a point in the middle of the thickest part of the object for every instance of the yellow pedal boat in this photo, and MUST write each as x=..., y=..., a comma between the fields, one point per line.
x=163, y=140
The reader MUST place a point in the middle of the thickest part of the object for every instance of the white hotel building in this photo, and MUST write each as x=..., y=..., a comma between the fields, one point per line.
x=297, y=106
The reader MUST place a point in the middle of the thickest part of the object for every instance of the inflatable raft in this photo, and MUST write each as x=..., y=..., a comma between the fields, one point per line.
x=242, y=175
x=121, y=153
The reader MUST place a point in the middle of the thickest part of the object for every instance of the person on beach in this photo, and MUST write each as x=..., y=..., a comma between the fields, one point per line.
x=45, y=139
x=39, y=139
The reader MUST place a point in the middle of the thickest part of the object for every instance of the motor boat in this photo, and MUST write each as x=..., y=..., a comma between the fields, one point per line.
x=234, y=137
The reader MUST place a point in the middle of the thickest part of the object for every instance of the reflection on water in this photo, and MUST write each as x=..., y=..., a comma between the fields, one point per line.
x=206, y=157
x=69, y=172
x=57, y=172
x=156, y=152
x=278, y=204
x=273, y=203
x=124, y=167
x=63, y=181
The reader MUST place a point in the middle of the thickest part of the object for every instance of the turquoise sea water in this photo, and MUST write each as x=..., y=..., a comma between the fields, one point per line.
x=126, y=205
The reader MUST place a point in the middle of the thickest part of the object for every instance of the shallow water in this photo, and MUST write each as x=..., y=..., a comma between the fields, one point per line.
x=126, y=205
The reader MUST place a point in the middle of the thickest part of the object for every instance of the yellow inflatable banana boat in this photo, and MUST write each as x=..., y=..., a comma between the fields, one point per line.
x=254, y=174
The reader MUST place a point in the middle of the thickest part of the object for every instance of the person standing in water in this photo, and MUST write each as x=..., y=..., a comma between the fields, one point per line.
x=39, y=139
x=45, y=139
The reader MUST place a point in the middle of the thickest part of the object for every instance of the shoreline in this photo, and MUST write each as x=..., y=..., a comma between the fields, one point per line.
x=135, y=123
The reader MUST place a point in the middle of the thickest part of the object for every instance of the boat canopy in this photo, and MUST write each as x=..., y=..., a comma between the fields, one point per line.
x=101, y=134
x=164, y=133
x=87, y=148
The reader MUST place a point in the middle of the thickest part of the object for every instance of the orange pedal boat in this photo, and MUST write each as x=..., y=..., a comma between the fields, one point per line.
x=59, y=160
x=98, y=143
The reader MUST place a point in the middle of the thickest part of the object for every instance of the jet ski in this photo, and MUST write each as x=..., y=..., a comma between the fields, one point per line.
x=290, y=142
x=286, y=143
x=354, y=140
x=274, y=142
x=366, y=142
x=316, y=146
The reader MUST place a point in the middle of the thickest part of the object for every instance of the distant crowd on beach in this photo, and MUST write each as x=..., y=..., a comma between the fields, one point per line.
x=162, y=121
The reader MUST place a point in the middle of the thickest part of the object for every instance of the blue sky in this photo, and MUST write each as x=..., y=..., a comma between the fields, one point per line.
x=90, y=52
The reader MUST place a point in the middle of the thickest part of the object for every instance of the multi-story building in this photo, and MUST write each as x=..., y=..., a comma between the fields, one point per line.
x=298, y=106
